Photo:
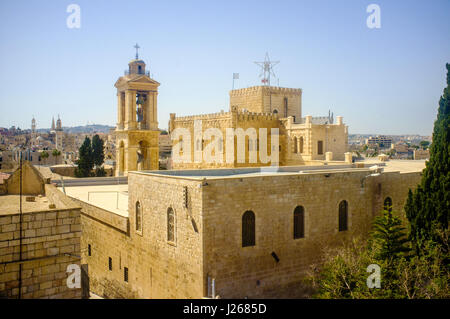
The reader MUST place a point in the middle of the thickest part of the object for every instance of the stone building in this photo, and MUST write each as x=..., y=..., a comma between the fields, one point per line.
x=137, y=125
x=243, y=232
x=301, y=140
x=39, y=238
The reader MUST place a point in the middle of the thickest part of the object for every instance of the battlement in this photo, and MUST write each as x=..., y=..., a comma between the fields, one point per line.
x=240, y=115
x=274, y=89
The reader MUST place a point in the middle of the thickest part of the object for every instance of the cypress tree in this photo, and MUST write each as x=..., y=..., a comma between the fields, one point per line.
x=428, y=206
x=85, y=161
x=98, y=155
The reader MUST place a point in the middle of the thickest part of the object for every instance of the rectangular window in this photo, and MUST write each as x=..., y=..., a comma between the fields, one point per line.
x=89, y=250
x=320, y=147
x=110, y=263
x=125, y=274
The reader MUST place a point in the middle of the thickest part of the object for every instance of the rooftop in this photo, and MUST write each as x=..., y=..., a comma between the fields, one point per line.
x=10, y=204
x=402, y=166
x=113, y=198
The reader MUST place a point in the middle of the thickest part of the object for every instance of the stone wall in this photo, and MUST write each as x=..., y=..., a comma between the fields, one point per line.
x=252, y=271
x=50, y=242
x=156, y=267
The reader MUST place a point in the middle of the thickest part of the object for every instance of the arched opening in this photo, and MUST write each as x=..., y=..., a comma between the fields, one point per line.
x=301, y=144
x=295, y=145
x=170, y=225
x=138, y=217
x=121, y=158
x=343, y=215
x=299, y=222
x=387, y=204
x=248, y=229
x=285, y=107
x=275, y=111
x=139, y=69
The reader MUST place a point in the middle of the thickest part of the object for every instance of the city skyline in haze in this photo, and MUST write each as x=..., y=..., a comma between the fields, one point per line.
x=386, y=80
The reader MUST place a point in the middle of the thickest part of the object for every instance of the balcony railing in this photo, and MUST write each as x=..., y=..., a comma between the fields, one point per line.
x=147, y=73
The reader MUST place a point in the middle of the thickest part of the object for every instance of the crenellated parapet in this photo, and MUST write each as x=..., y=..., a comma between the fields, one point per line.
x=255, y=89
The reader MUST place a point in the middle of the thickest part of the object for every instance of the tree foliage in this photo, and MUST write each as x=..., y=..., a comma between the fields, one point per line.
x=428, y=205
x=98, y=155
x=85, y=159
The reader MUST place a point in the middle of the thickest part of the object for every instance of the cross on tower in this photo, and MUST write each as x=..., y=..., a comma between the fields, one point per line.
x=137, y=48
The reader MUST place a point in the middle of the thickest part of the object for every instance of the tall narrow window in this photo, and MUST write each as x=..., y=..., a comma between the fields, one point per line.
x=125, y=274
x=110, y=263
x=89, y=250
x=170, y=225
x=299, y=222
x=343, y=215
x=138, y=217
x=285, y=107
x=248, y=229
x=388, y=204
x=319, y=147
x=295, y=145
x=301, y=144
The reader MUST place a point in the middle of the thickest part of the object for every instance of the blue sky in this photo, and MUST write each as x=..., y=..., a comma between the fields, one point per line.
x=385, y=81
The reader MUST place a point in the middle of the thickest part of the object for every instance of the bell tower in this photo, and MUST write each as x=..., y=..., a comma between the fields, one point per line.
x=137, y=125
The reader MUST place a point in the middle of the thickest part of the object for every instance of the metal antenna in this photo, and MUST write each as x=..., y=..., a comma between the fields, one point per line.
x=137, y=47
x=267, y=69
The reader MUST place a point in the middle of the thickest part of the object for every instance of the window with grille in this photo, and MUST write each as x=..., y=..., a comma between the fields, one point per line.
x=248, y=229
x=138, y=217
x=170, y=225
x=299, y=222
x=388, y=204
x=343, y=215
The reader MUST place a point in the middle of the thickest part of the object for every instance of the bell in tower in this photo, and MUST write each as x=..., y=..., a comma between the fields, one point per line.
x=137, y=125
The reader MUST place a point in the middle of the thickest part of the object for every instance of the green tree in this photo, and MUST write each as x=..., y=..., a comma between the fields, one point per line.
x=388, y=238
x=424, y=144
x=98, y=155
x=85, y=160
x=428, y=206
x=55, y=154
x=44, y=156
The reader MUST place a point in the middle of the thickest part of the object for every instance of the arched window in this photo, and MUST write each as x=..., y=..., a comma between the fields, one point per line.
x=248, y=229
x=139, y=69
x=388, y=204
x=301, y=144
x=295, y=145
x=299, y=222
x=170, y=225
x=343, y=215
x=138, y=217
x=275, y=111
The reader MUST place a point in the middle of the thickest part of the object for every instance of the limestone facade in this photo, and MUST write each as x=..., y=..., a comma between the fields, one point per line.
x=137, y=125
x=301, y=140
x=190, y=229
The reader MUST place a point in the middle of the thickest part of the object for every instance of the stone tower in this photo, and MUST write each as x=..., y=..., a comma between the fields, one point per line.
x=59, y=135
x=137, y=126
x=33, y=128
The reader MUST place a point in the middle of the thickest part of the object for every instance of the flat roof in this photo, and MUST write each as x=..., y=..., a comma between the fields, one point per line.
x=10, y=204
x=113, y=198
x=402, y=166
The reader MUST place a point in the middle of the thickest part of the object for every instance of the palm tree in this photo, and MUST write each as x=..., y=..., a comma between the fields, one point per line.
x=44, y=155
x=56, y=153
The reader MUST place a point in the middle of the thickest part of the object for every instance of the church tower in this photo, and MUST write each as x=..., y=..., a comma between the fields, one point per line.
x=137, y=125
x=59, y=135
x=33, y=128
